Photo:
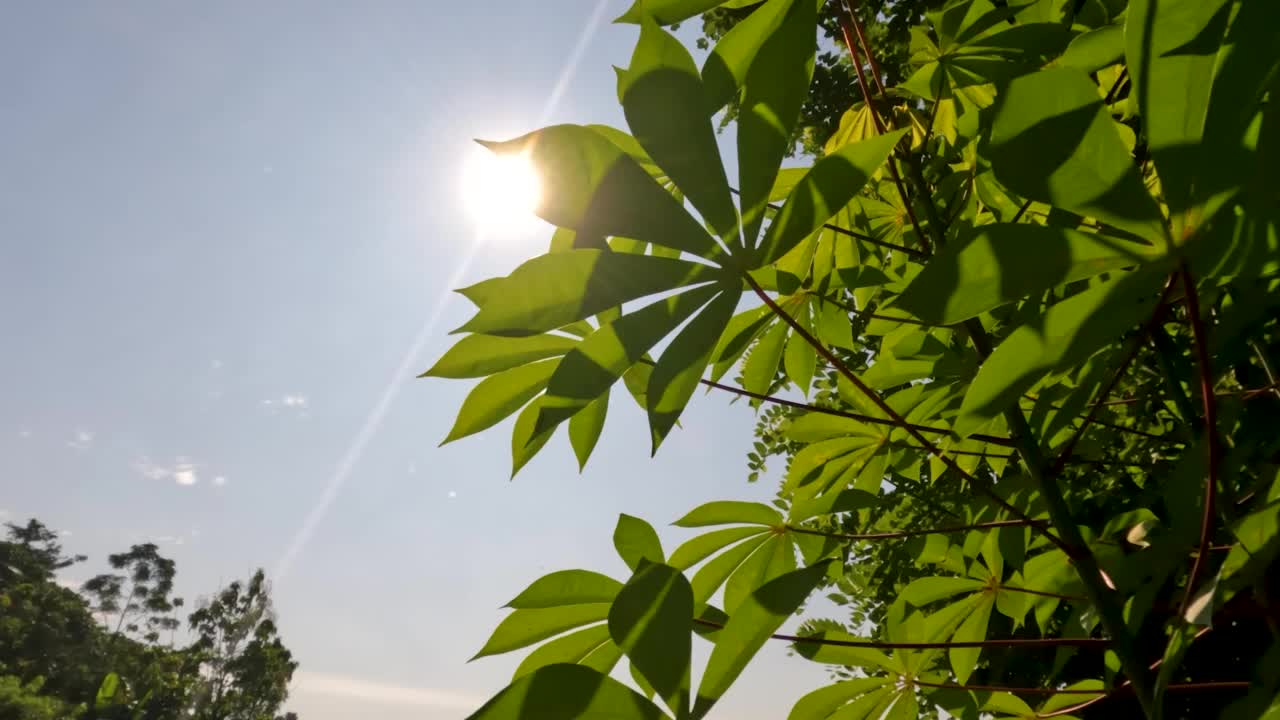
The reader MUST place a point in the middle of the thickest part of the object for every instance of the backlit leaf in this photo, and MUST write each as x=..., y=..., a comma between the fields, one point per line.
x=554, y=290
x=760, y=615
x=652, y=621
x=568, y=692
x=636, y=540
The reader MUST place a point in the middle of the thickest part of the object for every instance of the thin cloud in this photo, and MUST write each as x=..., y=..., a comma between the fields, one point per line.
x=345, y=686
x=294, y=402
x=83, y=440
x=183, y=471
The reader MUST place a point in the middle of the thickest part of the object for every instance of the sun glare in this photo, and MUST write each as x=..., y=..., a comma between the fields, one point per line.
x=501, y=192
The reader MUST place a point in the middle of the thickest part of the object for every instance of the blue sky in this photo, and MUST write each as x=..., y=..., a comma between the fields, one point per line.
x=228, y=231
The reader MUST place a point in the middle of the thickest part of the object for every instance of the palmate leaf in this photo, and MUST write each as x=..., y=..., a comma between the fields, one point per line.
x=828, y=186
x=652, y=621
x=1065, y=335
x=567, y=692
x=846, y=698
x=524, y=627
x=1052, y=141
x=680, y=367
x=725, y=70
x=663, y=99
x=1171, y=49
x=551, y=291
x=636, y=542
x=499, y=395
x=667, y=12
x=591, y=368
x=749, y=628
x=481, y=355
x=585, y=427
x=592, y=187
x=823, y=650
x=567, y=587
x=999, y=264
x=777, y=83
x=591, y=647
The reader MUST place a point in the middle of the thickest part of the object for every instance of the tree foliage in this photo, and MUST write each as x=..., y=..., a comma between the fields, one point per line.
x=99, y=653
x=1011, y=338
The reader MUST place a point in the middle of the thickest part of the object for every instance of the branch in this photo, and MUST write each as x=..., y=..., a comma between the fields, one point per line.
x=878, y=645
x=869, y=419
x=1210, y=427
x=898, y=534
x=981, y=484
x=1114, y=691
x=1130, y=353
x=875, y=116
x=1175, y=687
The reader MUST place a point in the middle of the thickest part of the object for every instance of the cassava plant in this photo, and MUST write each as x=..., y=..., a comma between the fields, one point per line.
x=1013, y=337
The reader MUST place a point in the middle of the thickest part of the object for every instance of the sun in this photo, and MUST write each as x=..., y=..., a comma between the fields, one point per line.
x=501, y=192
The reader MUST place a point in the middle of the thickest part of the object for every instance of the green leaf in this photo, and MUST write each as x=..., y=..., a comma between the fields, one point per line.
x=1096, y=49
x=678, y=371
x=1179, y=642
x=107, y=691
x=568, y=692
x=1171, y=50
x=666, y=108
x=652, y=621
x=973, y=629
x=999, y=264
x=593, y=187
x=567, y=587
x=499, y=395
x=696, y=549
x=777, y=84
x=823, y=702
x=1057, y=702
x=576, y=647
x=1064, y=336
x=1053, y=141
x=711, y=576
x=1009, y=704
x=762, y=364
x=723, y=512
x=725, y=70
x=590, y=369
x=481, y=355
x=926, y=590
x=666, y=12
x=799, y=358
x=636, y=540
x=829, y=185
x=863, y=657
x=585, y=427
x=775, y=557
x=525, y=440
x=554, y=290
x=525, y=627
x=749, y=629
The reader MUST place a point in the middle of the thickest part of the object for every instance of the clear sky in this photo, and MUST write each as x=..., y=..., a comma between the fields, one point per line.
x=226, y=235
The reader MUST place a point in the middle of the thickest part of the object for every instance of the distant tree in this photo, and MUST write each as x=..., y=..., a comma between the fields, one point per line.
x=148, y=606
x=244, y=667
x=97, y=656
